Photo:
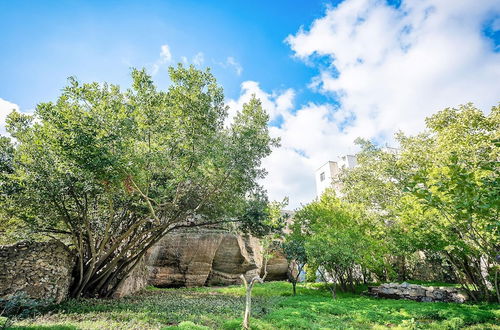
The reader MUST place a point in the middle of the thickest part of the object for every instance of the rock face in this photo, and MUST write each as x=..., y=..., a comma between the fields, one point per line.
x=208, y=258
x=418, y=292
x=43, y=270
x=38, y=270
x=135, y=281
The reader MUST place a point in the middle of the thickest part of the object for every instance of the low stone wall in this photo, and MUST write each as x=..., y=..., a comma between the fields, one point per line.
x=418, y=292
x=39, y=270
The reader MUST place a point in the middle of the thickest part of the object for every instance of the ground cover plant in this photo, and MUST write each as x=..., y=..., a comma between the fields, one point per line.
x=274, y=307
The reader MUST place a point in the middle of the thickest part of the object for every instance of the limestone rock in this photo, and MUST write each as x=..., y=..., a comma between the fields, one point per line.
x=418, y=293
x=208, y=258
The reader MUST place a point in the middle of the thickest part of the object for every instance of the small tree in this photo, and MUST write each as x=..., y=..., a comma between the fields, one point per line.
x=339, y=237
x=294, y=249
x=266, y=255
x=271, y=221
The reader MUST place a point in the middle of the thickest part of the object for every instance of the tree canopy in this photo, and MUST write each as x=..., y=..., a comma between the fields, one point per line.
x=439, y=193
x=114, y=171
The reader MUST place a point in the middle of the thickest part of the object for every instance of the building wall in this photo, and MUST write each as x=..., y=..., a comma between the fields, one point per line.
x=329, y=172
x=325, y=175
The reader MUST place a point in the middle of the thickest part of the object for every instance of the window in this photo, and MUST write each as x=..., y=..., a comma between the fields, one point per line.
x=322, y=176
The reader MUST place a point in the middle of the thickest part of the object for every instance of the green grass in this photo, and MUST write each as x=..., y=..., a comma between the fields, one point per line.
x=273, y=308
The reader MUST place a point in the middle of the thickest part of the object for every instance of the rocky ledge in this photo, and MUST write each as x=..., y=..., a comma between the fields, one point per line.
x=418, y=292
x=202, y=258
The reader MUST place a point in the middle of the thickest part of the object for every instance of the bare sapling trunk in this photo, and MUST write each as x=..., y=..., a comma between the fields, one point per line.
x=331, y=286
x=294, y=270
x=248, y=294
x=496, y=285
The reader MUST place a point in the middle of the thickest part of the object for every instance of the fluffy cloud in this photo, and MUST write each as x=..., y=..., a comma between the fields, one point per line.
x=165, y=54
x=387, y=68
x=391, y=67
x=165, y=57
x=231, y=62
x=276, y=103
x=6, y=107
x=198, y=59
x=309, y=136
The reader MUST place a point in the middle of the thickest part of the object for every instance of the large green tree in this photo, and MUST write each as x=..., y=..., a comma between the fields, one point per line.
x=114, y=171
x=439, y=193
x=456, y=175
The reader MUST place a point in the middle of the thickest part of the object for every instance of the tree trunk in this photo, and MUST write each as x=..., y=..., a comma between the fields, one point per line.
x=332, y=290
x=248, y=307
x=496, y=286
x=248, y=295
x=294, y=285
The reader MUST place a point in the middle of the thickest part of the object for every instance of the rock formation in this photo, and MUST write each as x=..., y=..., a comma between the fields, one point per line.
x=208, y=258
x=203, y=258
x=418, y=292
x=42, y=270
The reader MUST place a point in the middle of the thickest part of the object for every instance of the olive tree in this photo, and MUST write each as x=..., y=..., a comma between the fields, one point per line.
x=113, y=171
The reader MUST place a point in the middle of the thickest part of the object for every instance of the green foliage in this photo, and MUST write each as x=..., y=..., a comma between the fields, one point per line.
x=18, y=307
x=260, y=217
x=113, y=171
x=438, y=194
x=219, y=308
x=310, y=271
x=458, y=182
x=339, y=236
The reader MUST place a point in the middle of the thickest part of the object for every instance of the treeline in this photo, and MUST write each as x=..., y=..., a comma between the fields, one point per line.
x=436, y=197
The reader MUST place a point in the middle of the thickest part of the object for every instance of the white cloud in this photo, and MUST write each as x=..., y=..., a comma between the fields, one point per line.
x=165, y=54
x=198, y=59
x=231, y=62
x=165, y=57
x=391, y=67
x=6, y=107
x=276, y=103
x=309, y=137
x=388, y=68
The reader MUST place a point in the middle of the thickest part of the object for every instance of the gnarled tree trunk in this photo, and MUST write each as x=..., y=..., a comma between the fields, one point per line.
x=248, y=294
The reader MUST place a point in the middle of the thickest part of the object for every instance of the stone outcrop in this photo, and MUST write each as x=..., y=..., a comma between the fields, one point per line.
x=418, y=292
x=208, y=258
x=43, y=270
x=37, y=270
x=135, y=281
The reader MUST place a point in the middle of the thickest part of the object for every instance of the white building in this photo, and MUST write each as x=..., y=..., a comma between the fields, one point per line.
x=329, y=172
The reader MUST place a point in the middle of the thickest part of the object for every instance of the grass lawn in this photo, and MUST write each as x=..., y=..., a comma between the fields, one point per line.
x=273, y=308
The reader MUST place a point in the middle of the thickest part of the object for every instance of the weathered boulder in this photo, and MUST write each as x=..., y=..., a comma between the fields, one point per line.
x=43, y=270
x=418, y=292
x=277, y=267
x=208, y=258
x=134, y=282
x=37, y=270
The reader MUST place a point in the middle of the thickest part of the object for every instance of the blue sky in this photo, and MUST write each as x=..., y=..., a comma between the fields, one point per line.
x=44, y=42
x=326, y=71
